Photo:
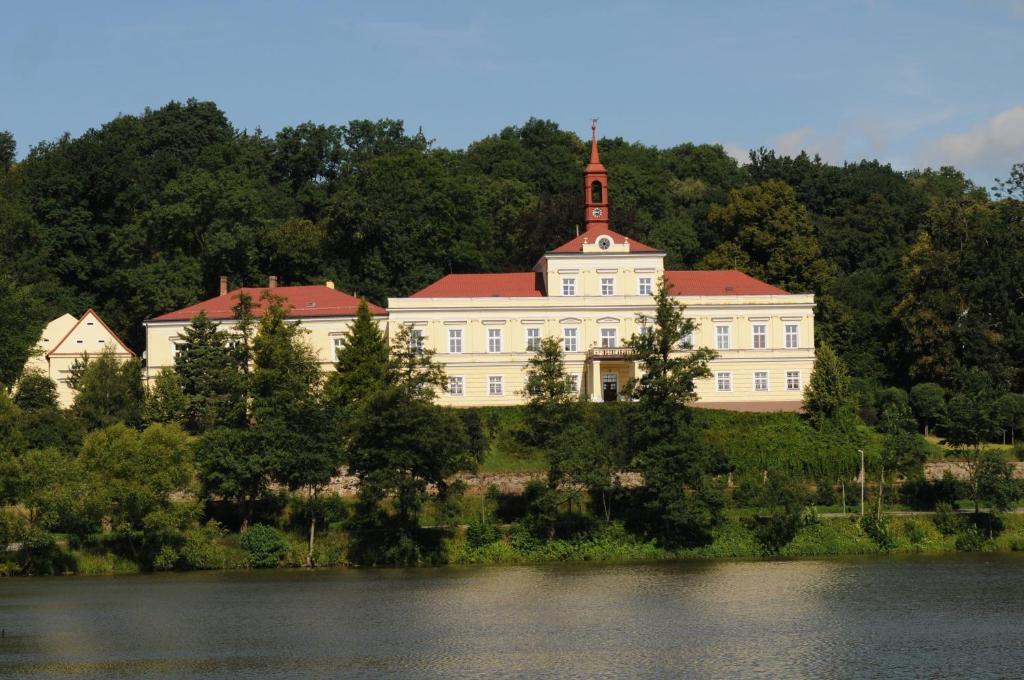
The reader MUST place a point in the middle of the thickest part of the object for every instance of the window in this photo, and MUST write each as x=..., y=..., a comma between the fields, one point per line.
x=569, y=286
x=724, y=380
x=760, y=381
x=607, y=337
x=415, y=340
x=760, y=333
x=644, y=285
x=604, y=243
x=455, y=341
x=793, y=380
x=646, y=330
x=686, y=342
x=495, y=386
x=339, y=346
x=456, y=385
x=574, y=383
x=493, y=340
x=532, y=339
x=607, y=286
x=721, y=337
x=792, y=336
x=595, y=192
x=176, y=349
x=569, y=338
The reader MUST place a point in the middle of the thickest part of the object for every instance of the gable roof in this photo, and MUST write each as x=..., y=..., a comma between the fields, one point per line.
x=591, y=235
x=73, y=350
x=515, y=284
x=303, y=301
x=717, y=282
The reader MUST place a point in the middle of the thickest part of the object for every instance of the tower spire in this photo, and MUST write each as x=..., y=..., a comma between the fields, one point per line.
x=595, y=186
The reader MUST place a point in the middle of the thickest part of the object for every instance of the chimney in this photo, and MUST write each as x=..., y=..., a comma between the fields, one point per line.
x=272, y=283
x=223, y=285
x=330, y=284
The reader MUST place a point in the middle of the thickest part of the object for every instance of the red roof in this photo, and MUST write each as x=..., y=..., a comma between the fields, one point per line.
x=516, y=284
x=302, y=301
x=591, y=235
x=718, y=282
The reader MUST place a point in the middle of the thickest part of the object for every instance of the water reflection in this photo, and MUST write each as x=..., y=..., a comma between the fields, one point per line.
x=944, y=617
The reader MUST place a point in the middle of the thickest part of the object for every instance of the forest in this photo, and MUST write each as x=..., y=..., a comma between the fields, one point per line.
x=919, y=275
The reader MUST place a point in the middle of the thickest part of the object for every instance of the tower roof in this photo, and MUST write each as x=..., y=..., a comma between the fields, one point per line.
x=595, y=159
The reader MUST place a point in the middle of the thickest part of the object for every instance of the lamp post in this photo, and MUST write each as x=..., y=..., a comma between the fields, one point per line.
x=861, y=481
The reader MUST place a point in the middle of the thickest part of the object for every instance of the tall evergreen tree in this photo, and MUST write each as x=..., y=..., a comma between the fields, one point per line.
x=827, y=397
x=362, y=364
x=211, y=376
x=669, y=453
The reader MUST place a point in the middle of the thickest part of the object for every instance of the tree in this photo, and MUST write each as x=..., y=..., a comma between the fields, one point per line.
x=929, y=403
x=212, y=373
x=782, y=500
x=1009, y=414
x=968, y=425
x=996, y=486
x=362, y=364
x=35, y=392
x=550, y=396
x=135, y=476
x=21, y=324
x=166, y=401
x=233, y=466
x=669, y=453
x=399, y=446
x=412, y=367
x=827, y=397
x=290, y=423
x=107, y=390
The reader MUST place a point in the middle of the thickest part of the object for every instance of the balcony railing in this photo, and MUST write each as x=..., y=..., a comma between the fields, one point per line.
x=601, y=353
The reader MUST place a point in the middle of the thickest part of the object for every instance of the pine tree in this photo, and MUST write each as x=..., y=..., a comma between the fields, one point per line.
x=362, y=364
x=550, y=395
x=211, y=377
x=669, y=453
x=827, y=398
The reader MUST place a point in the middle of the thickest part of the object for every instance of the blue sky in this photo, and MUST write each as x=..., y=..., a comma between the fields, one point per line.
x=911, y=83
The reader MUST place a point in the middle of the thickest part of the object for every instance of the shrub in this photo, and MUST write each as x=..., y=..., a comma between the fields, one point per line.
x=481, y=533
x=1018, y=450
x=970, y=540
x=921, y=494
x=878, y=531
x=166, y=559
x=201, y=548
x=784, y=499
x=947, y=520
x=264, y=546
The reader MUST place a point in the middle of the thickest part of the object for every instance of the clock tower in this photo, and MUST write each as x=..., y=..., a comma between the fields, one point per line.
x=595, y=187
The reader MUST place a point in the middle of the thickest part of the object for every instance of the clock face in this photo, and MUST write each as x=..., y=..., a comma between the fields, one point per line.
x=596, y=212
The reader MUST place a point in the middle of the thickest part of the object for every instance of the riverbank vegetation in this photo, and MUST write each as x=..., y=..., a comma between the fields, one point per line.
x=227, y=462
x=920, y=319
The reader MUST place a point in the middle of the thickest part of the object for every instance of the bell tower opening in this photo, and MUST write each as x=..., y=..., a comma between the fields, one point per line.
x=596, y=192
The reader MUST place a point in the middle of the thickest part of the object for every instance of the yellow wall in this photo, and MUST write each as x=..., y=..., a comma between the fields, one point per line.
x=433, y=317
x=161, y=336
x=66, y=340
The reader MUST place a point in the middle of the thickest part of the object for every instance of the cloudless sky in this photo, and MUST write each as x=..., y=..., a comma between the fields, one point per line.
x=911, y=83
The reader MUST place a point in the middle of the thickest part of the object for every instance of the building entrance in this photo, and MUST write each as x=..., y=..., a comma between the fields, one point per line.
x=610, y=383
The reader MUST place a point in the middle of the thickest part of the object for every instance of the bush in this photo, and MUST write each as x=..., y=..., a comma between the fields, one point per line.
x=878, y=531
x=970, y=540
x=948, y=521
x=264, y=546
x=481, y=533
x=201, y=548
x=921, y=494
x=166, y=559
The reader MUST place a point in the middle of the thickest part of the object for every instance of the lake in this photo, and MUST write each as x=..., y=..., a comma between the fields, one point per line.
x=953, y=616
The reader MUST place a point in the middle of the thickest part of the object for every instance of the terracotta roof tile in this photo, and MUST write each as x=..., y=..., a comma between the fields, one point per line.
x=516, y=284
x=591, y=235
x=718, y=282
x=304, y=301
